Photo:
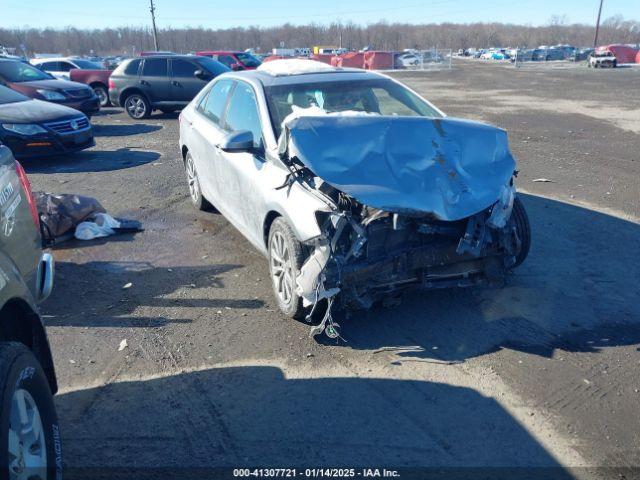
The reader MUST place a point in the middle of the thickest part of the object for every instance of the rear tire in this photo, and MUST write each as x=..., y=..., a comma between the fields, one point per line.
x=286, y=257
x=195, y=191
x=523, y=229
x=103, y=94
x=137, y=106
x=29, y=431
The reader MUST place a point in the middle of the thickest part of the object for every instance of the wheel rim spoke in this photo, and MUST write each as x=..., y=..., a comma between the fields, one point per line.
x=26, y=440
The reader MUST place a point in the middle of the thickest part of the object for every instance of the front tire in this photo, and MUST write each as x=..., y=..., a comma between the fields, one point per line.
x=523, y=229
x=285, y=260
x=29, y=432
x=137, y=106
x=195, y=191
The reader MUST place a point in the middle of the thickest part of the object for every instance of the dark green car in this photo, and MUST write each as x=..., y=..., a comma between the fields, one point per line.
x=29, y=432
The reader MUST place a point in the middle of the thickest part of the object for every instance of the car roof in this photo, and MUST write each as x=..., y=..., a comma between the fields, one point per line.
x=334, y=75
x=166, y=56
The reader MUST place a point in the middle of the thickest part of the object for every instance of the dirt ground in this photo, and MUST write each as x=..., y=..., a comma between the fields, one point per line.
x=542, y=373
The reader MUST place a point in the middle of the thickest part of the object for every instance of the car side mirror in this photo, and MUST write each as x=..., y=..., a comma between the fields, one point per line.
x=240, y=141
x=201, y=74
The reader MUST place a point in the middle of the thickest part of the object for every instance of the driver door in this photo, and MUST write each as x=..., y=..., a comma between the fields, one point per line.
x=241, y=181
x=184, y=84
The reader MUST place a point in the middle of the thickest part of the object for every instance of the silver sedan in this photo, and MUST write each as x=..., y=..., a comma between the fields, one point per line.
x=352, y=185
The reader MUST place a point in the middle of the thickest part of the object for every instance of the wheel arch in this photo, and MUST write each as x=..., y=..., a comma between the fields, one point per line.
x=131, y=90
x=266, y=226
x=98, y=83
x=20, y=323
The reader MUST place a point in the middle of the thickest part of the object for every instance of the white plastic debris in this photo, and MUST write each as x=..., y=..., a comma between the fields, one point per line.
x=294, y=66
x=123, y=345
x=542, y=180
x=102, y=226
x=127, y=285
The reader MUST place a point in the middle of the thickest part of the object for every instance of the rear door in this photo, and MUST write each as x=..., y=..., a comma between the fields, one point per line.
x=53, y=68
x=154, y=80
x=184, y=84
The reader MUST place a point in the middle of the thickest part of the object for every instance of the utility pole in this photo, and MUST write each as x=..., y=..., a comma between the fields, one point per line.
x=595, y=39
x=153, y=22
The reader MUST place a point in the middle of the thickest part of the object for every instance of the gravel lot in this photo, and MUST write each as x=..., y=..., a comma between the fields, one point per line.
x=541, y=373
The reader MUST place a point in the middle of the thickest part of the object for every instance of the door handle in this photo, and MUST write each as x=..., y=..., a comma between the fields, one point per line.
x=143, y=82
x=175, y=83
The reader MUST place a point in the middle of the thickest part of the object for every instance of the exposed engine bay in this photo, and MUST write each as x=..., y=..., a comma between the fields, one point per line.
x=367, y=253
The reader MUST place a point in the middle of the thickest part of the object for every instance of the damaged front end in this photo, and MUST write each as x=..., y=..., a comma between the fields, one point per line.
x=426, y=210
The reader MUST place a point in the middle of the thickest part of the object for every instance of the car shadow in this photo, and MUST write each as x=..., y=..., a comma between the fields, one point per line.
x=108, y=294
x=90, y=161
x=193, y=424
x=74, y=243
x=102, y=130
x=577, y=291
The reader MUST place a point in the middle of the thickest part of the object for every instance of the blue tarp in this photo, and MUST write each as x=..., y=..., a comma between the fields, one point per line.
x=448, y=168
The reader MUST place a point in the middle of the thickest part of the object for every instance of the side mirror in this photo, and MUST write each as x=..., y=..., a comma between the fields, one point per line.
x=240, y=141
x=202, y=75
x=236, y=66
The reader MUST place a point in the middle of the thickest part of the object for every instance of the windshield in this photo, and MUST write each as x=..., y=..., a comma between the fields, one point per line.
x=21, y=72
x=381, y=96
x=87, y=64
x=212, y=66
x=248, y=59
x=11, y=96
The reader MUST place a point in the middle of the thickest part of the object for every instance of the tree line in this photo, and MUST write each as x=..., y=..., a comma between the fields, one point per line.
x=382, y=35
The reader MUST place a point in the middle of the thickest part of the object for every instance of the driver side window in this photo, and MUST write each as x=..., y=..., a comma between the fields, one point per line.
x=242, y=113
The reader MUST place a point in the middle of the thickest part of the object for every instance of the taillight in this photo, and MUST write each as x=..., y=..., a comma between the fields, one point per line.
x=112, y=84
x=26, y=186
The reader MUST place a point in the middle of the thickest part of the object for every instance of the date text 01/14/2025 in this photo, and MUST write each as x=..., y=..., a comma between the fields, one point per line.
x=315, y=473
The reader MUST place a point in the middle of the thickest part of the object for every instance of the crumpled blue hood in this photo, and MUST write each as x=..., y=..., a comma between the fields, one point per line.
x=447, y=167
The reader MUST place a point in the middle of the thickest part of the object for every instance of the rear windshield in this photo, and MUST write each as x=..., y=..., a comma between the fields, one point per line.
x=248, y=59
x=11, y=96
x=21, y=72
x=381, y=96
x=212, y=66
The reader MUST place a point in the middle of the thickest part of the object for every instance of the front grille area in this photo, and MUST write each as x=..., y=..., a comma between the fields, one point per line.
x=67, y=126
x=79, y=93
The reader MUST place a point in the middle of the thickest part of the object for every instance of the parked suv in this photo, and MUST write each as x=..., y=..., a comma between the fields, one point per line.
x=29, y=432
x=35, y=83
x=163, y=82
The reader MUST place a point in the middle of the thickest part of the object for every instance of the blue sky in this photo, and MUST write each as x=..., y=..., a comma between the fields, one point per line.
x=216, y=14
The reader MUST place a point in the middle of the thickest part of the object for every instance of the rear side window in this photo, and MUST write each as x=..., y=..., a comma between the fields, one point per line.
x=183, y=68
x=65, y=66
x=213, y=105
x=226, y=59
x=155, y=67
x=132, y=67
x=49, y=66
x=243, y=113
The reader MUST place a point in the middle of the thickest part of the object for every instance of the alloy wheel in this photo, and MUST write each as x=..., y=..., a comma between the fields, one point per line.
x=136, y=106
x=281, y=268
x=192, y=180
x=27, y=448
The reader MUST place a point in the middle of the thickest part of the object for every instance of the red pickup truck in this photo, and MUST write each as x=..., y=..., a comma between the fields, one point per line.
x=96, y=79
